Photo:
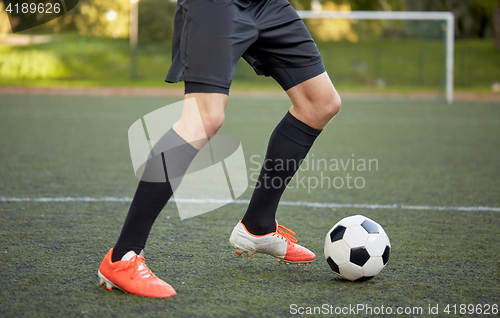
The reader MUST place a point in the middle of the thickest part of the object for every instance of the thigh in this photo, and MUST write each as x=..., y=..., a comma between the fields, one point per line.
x=209, y=38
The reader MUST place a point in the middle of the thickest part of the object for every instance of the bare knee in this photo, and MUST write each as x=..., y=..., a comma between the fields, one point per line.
x=317, y=111
x=202, y=116
x=211, y=108
x=212, y=120
x=315, y=102
x=330, y=105
x=325, y=101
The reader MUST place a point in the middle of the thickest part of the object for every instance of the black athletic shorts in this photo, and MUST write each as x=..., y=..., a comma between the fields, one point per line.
x=210, y=36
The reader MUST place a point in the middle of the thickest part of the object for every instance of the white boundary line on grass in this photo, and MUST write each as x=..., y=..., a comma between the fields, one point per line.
x=286, y=203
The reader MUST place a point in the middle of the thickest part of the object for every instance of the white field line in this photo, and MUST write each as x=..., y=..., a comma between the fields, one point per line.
x=285, y=203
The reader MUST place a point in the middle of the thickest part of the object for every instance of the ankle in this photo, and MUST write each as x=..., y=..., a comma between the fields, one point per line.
x=118, y=253
x=259, y=228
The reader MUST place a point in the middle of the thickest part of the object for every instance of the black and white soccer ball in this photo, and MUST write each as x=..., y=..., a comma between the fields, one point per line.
x=357, y=248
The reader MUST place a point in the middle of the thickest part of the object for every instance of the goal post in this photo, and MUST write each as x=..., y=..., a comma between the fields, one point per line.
x=401, y=15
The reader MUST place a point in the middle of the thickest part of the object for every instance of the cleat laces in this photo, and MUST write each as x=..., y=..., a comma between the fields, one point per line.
x=139, y=262
x=286, y=234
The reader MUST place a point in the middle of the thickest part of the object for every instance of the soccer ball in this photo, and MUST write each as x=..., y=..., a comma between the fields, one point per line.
x=357, y=248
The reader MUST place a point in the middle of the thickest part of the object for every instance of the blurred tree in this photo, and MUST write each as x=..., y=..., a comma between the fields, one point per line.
x=156, y=20
x=483, y=10
x=333, y=29
x=4, y=21
x=473, y=18
x=496, y=25
x=90, y=18
x=329, y=29
x=378, y=5
x=87, y=18
x=369, y=5
x=301, y=4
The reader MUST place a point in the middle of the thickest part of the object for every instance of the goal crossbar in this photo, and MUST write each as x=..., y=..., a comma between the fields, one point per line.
x=401, y=15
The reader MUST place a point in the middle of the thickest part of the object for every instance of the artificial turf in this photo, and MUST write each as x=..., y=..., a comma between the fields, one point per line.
x=428, y=154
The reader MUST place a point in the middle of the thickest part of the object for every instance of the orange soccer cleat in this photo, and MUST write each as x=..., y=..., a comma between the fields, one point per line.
x=131, y=274
x=279, y=244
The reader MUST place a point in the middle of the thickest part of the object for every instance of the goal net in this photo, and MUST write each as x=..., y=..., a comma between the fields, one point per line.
x=409, y=52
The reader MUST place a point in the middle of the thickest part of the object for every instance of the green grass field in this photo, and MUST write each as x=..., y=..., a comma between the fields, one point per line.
x=428, y=154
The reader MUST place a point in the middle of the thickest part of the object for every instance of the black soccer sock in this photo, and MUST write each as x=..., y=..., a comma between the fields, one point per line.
x=288, y=146
x=151, y=197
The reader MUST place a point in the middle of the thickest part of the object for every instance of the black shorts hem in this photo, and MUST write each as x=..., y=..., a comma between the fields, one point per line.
x=194, y=87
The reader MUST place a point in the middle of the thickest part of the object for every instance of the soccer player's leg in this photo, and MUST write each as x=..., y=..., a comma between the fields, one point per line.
x=315, y=102
x=206, y=65
x=285, y=51
x=124, y=266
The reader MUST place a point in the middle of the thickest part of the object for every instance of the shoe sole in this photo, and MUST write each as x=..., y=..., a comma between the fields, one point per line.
x=239, y=252
x=103, y=280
